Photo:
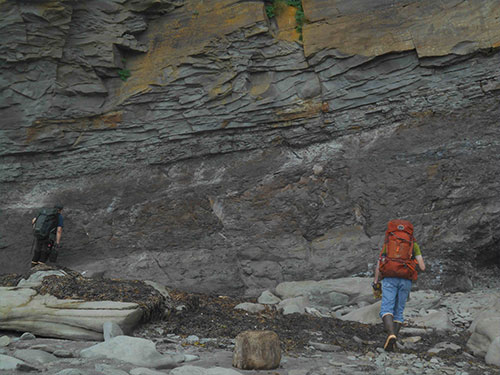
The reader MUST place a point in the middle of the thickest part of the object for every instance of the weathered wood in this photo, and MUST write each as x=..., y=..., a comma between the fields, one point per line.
x=257, y=350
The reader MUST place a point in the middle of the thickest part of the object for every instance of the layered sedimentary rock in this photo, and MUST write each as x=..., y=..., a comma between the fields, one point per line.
x=63, y=304
x=211, y=148
x=22, y=309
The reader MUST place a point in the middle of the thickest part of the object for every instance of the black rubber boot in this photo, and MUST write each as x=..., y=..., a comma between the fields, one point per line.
x=36, y=256
x=388, y=324
x=390, y=342
x=44, y=256
x=397, y=327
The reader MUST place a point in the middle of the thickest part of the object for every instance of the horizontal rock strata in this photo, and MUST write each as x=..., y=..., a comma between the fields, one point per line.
x=206, y=146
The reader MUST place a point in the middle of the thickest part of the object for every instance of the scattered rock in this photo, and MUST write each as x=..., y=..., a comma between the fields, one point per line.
x=192, y=340
x=61, y=353
x=368, y=314
x=493, y=354
x=293, y=305
x=140, y=352
x=27, y=336
x=325, y=347
x=412, y=339
x=8, y=362
x=110, y=330
x=33, y=356
x=438, y=320
x=4, y=341
x=485, y=330
x=160, y=288
x=24, y=367
x=267, y=298
x=439, y=347
x=355, y=288
x=251, y=307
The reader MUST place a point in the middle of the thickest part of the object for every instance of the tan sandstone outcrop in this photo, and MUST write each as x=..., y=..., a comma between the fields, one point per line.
x=429, y=27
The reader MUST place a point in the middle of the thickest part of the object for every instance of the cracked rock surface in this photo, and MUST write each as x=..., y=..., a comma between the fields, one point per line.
x=200, y=145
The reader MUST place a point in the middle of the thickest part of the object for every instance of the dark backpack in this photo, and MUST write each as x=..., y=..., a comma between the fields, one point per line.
x=46, y=221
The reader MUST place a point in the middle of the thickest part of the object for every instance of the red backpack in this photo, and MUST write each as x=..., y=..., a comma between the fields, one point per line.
x=398, y=259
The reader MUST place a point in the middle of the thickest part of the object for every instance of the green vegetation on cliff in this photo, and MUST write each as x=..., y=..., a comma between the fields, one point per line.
x=274, y=7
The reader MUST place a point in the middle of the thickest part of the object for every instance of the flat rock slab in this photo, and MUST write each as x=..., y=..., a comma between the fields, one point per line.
x=138, y=351
x=354, y=289
x=8, y=362
x=23, y=309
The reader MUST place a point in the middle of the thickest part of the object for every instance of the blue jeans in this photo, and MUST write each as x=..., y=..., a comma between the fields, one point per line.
x=395, y=292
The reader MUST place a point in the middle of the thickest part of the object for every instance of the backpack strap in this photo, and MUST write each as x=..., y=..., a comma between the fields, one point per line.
x=386, y=242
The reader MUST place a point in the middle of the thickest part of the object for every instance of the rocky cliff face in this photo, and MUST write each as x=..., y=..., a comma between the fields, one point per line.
x=208, y=147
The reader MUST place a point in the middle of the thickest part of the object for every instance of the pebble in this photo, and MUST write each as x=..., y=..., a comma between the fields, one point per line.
x=61, y=353
x=192, y=339
x=4, y=341
x=27, y=336
x=411, y=339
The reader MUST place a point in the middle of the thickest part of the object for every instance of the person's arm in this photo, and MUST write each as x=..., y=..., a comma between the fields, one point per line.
x=377, y=268
x=58, y=235
x=420, y=261
x=377, y=273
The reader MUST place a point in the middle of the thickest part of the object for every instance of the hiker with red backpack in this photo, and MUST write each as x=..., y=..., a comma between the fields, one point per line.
x=47, y=230
x=396, y=269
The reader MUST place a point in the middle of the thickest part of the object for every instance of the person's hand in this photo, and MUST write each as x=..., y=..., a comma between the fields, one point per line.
x=57, y=245
x=377, y=290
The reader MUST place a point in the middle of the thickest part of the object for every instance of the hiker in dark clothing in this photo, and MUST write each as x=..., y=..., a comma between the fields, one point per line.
x=49, y=242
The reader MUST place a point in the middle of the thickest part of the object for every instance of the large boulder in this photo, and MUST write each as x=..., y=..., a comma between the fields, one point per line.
x=493, y=354
x=485, y=331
